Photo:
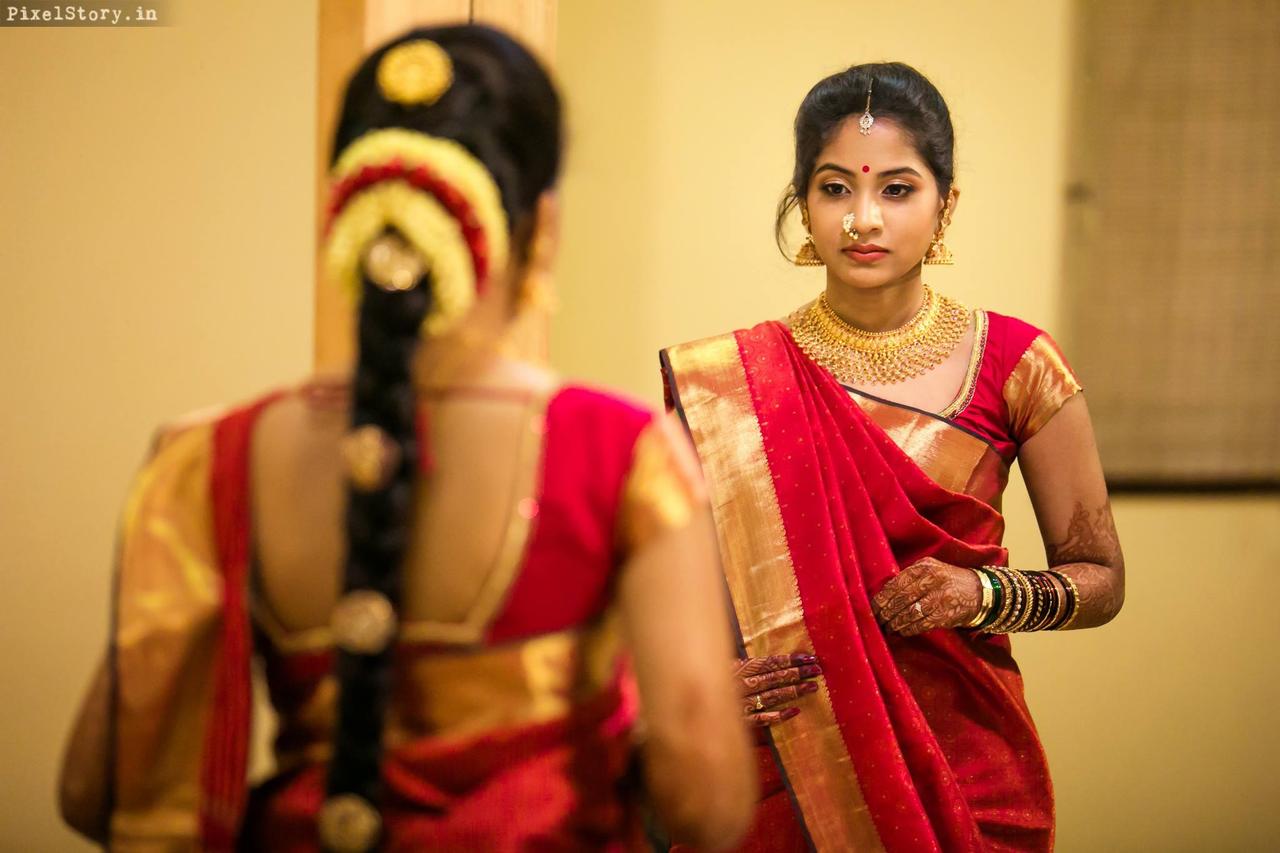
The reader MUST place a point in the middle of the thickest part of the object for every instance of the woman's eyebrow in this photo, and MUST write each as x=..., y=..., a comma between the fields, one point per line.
x=901, y=170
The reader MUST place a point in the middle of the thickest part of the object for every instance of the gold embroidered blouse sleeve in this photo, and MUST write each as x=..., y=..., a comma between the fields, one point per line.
x=1040, y=383
x=168, y=600
x=664, y=486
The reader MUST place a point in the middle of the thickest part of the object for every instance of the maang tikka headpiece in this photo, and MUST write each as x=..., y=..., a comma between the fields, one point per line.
x=864, y=123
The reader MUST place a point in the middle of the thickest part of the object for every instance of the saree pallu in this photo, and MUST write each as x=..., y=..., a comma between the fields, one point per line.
x=910, y=744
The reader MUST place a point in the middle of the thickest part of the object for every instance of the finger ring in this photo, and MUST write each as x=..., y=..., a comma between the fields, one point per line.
x=759, y=703
x=918, y=609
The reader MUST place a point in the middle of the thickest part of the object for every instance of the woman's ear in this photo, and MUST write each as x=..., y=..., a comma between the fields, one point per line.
x=544, y=244
x=949, y=206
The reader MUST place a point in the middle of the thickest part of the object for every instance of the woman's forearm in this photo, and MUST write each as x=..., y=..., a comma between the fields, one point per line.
x=1090, y=555
x=1101, y=590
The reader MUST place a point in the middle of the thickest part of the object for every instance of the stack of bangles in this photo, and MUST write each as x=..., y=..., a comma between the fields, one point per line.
x=1025, y=601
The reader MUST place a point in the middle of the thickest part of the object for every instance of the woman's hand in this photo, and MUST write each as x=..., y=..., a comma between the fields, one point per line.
x=929, y=594
x=770, y=682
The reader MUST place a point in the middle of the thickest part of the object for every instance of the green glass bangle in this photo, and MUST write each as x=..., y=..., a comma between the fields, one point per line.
x=997, y=598
x=1010, y=600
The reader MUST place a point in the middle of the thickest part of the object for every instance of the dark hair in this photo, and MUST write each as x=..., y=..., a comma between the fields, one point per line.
x=503, y=108
x=898, y=93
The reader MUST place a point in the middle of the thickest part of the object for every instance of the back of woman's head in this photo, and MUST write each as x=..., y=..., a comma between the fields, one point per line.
x=501, y=106
x=447, y=138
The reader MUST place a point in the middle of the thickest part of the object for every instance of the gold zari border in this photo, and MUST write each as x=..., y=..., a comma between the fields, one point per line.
x=711, y=386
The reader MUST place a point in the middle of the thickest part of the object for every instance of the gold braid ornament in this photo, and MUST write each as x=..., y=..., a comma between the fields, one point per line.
x=415, y=73
x=857, y=357
x=427, y=227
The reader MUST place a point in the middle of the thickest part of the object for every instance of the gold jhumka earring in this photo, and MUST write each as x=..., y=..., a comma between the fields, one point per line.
x=808, y=254
x=939, y=254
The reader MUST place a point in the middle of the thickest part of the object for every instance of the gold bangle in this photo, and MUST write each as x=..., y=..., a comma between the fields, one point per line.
x=988, y=599
x=1030, y=593
x=1040, y=603
x=1047, y=593
x=1019, y=609
x=1075, y=601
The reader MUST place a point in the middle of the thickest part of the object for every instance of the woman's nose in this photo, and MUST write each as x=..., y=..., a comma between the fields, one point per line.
x=868, y=215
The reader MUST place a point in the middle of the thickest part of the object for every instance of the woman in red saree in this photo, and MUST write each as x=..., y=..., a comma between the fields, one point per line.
x=856, y=454
x=459, y=572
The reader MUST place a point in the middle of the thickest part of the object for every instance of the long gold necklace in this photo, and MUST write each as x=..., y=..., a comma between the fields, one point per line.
x=857, y=357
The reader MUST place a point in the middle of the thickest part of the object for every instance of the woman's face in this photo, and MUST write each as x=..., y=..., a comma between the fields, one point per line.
x=886, y=185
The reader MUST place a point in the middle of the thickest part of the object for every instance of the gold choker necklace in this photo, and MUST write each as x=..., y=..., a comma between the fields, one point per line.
x=857, y=357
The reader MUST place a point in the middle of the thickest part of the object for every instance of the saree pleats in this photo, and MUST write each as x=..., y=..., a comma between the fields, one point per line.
x=816, y=509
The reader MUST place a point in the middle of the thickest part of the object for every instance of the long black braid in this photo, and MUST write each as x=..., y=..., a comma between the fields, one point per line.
x=503, y=108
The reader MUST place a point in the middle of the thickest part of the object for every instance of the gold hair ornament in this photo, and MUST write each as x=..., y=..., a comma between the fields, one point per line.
x=363, y=622
x=392, y=264
x=428, y=227
x=371, y=457
x=348, y=823
x=416, y=73
x=867, y=120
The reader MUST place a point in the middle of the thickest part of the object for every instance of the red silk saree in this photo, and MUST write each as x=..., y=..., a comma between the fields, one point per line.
x=508, y=730
x=910, y=744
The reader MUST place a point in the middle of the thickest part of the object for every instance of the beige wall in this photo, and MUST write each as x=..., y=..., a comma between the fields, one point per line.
x=1156, y=726
x=155, y=246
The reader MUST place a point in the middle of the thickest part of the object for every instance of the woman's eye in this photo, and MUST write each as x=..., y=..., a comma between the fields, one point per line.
x=897, y=190
x=835, y=189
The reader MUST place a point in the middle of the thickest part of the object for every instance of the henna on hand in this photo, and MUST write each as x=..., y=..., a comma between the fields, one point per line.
x=767, y=682
x=768, y=718
x=755, y=684
x=771, y=699
x=927, y=595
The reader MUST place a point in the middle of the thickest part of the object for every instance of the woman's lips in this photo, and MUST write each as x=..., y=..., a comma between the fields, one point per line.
x=866, y=253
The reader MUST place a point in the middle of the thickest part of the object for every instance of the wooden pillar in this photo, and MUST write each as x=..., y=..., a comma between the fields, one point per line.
x=348, y=29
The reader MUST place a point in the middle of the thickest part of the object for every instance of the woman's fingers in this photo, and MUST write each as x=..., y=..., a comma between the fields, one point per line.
x=772, y=663
x=770, y=718
x=917, y=627
x=755, y=684
x=771, y=699
x=897, y=596
x=911, y=620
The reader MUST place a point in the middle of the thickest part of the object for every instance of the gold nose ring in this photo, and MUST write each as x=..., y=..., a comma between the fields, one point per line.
x=847, y=225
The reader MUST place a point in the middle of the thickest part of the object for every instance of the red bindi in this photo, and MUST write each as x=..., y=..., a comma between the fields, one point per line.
x=866, y=168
